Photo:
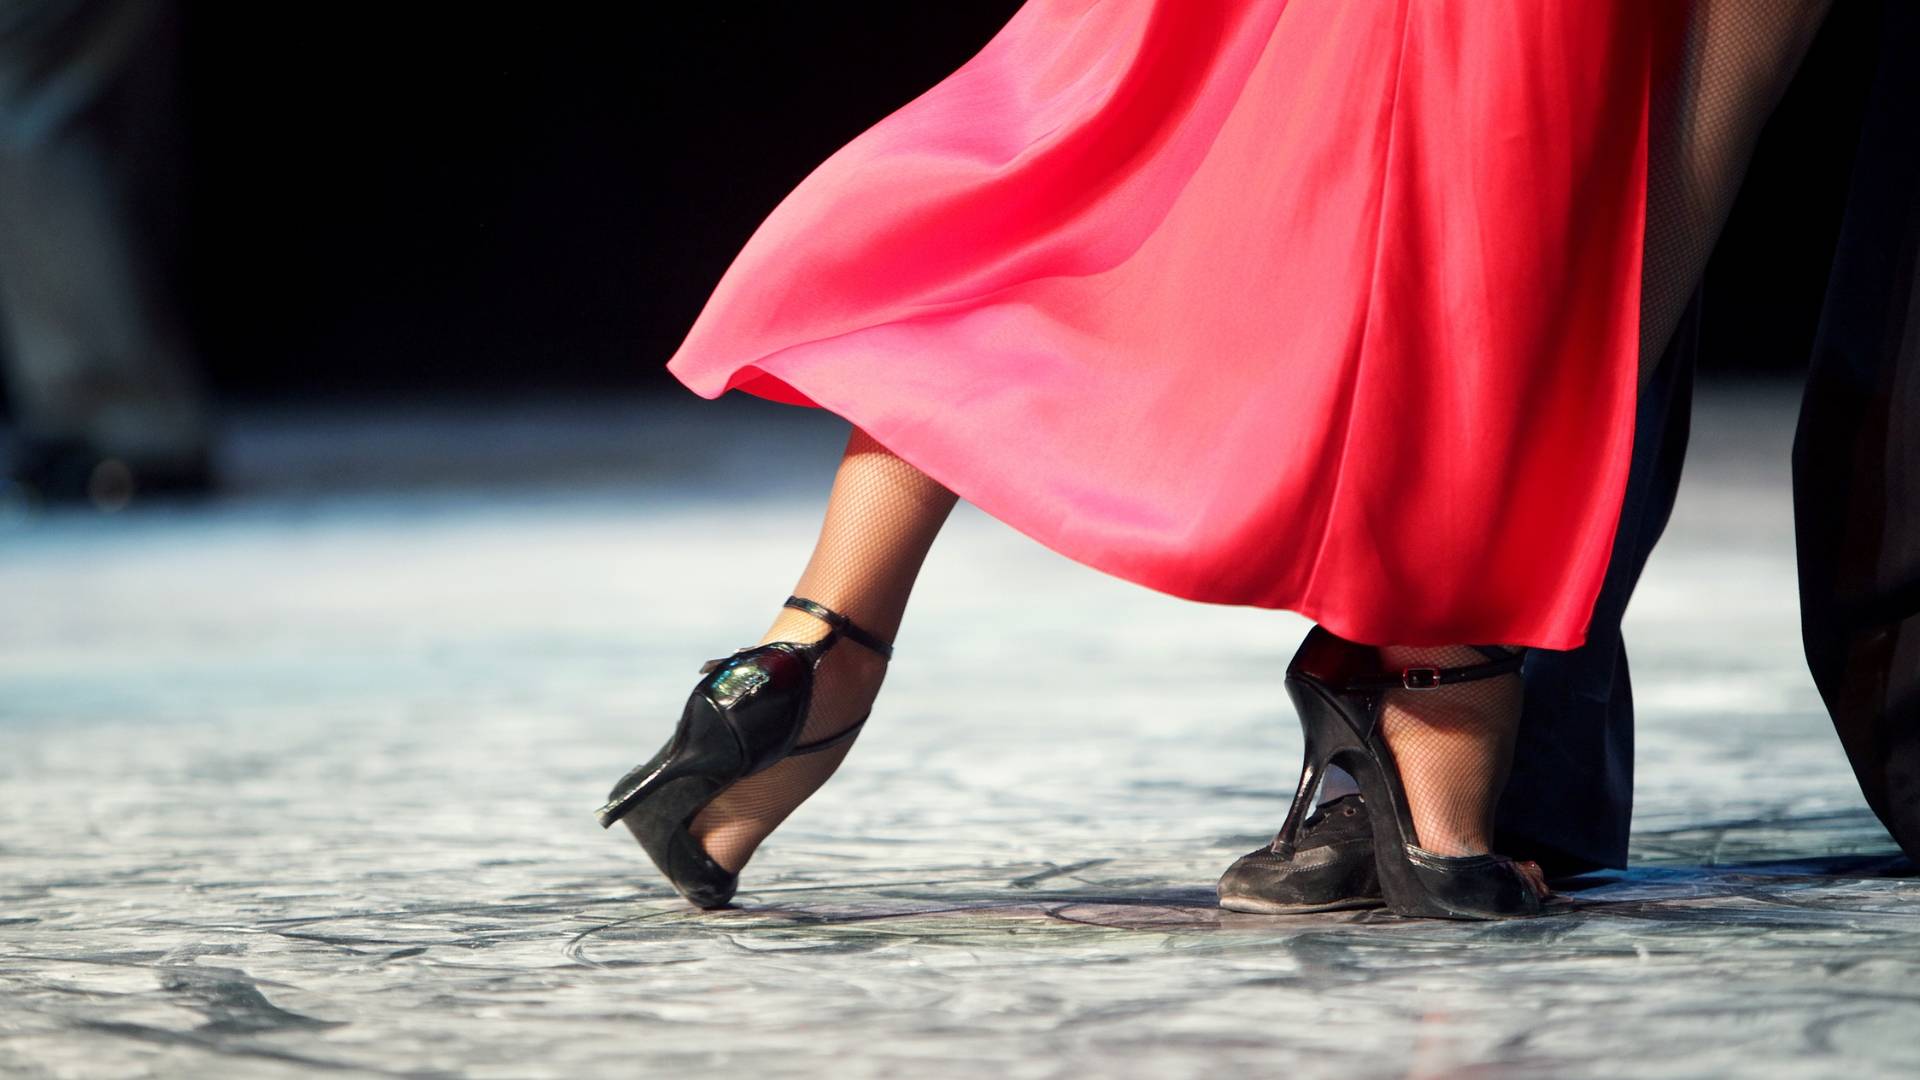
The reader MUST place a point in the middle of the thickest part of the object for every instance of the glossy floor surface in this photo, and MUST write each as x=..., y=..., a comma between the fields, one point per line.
x=302, y=781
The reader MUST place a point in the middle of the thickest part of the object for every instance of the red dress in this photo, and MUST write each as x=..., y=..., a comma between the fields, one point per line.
x=1327, y=305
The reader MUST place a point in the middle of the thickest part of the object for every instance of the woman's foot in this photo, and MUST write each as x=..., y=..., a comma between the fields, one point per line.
x=1453, y=746
x=732, y=826
x=744, y=718
x=1364, y=709
x=882, y=518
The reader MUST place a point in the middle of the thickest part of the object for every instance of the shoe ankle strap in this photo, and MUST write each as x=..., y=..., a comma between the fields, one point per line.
x=1500, y=662
x=842, y=624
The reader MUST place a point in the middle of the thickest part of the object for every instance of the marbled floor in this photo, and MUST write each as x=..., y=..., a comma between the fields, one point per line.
x=301, y=781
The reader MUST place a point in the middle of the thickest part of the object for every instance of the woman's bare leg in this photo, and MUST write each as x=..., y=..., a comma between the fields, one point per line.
x=881, y=519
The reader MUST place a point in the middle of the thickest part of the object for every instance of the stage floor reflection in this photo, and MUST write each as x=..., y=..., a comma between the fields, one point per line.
x=302, y=779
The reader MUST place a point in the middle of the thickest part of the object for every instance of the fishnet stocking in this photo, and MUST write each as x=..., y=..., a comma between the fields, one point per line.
x=1738, y=57
x=881, y=519
x=1453, y=746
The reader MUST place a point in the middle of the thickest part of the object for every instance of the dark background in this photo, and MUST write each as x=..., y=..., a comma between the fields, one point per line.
x=410, y=201
x=417, y=201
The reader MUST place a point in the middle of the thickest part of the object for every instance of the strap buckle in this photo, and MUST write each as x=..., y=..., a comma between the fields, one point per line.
x=1420, y=678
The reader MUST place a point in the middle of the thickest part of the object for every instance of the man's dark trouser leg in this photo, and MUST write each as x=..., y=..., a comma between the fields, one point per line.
x=1570, y=798
x=1856, y=456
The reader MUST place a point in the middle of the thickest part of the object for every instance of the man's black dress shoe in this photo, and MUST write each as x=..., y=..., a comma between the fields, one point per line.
x=1332, y=869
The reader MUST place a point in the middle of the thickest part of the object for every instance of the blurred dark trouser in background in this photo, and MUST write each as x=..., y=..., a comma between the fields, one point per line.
x=1856, y=457
x=106, y=398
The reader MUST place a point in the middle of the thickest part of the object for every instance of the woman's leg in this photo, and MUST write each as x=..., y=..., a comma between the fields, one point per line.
x=1453, y=746
x=1738, y=57
x=881, y=518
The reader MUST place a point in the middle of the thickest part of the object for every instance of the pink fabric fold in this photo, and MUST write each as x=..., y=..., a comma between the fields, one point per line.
x=1303, y=304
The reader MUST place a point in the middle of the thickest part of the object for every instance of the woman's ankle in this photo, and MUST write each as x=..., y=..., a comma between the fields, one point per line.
x=1453, y=746
x=846, y=681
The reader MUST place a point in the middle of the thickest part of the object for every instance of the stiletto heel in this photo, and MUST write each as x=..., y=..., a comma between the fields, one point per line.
x=1314, y=766
x=1339, y=689
x=743, y=717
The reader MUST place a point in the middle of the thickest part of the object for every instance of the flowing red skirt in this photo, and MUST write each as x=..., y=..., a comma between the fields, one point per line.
x=1328, y=305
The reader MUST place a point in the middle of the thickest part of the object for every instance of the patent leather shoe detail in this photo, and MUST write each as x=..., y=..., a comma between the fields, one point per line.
x=744, y=715
x=1338, y=687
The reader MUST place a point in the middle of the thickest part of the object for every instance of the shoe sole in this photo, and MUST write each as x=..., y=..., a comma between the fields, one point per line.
x=1254, y=905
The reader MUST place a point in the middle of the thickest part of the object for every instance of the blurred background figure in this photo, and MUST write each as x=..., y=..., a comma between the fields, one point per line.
x=105, y=394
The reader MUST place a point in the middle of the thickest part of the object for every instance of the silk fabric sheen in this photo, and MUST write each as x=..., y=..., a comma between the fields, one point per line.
x=1327, y=305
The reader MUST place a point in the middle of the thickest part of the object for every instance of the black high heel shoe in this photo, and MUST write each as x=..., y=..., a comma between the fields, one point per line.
x=742, y=718
x=1339, y=688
